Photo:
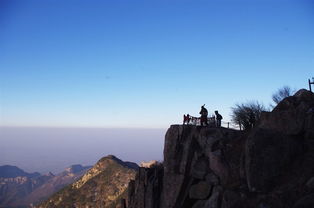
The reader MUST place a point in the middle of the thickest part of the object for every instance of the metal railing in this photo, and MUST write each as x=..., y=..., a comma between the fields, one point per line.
x=229, y=125
x=211, y=122
x=311, y=83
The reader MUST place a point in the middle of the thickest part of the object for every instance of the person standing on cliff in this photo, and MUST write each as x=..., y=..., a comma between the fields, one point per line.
x=204, y=114
x=218, y=119
x=186, y=119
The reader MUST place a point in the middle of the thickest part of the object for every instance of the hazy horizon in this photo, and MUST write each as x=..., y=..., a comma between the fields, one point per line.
x=44, y=149
x=132, y=66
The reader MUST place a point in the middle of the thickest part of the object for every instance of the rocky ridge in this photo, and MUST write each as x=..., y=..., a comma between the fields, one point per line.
x=9, y=171
x=101, y=186
x=21, y=189
x=269, y=166
x=16, y=184
x=55, y=183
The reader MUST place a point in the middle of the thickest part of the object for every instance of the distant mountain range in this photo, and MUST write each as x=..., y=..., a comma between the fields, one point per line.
x=101, y=186
x=8, y=171
x=21, y=189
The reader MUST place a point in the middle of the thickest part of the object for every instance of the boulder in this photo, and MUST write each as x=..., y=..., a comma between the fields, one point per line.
x=201, y=190
x=212, y=179
x=148, y=164
x=200, y=168
x=214, y=200
x=289, y=115
x=218, y=165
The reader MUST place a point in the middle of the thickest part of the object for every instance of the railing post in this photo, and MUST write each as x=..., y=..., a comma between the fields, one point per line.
x=311, y=83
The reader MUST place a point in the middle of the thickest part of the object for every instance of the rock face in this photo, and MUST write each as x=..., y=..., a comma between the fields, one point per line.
x=270, y=166
x=102, y=186
x=269, y=154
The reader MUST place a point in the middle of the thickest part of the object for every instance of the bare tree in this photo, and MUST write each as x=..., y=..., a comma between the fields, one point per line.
x=246, y=115
x=282, y=93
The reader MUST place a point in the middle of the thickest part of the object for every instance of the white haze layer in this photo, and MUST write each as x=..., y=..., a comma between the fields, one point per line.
x=54, y=149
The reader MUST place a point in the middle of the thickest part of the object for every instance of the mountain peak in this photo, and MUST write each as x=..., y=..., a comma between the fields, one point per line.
x=111, y=157
x=9, y=171
x=109, y=178
x=49, y=174
x=117, y=160
x=74, y=168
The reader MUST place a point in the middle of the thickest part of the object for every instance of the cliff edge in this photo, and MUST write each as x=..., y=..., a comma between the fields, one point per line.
x=270, y=166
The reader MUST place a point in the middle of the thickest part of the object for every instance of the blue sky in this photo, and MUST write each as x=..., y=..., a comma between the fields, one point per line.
x=143, y=64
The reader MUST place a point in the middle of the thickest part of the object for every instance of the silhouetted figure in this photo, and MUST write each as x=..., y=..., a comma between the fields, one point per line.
x=186, y=119
x=218, y=119
x=252, y=120
x=204, y=114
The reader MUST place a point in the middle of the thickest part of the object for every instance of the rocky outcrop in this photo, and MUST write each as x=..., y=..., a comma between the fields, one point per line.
x=148, y=164
x=102, y=186
x=145, y=190
x=270, y=166
x=283, y=142
x=197, y=161
x=292, y=116
x=196, y=155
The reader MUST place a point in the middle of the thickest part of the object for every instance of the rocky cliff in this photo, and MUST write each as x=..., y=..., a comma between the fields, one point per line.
x=102, y=186
x=270, y=166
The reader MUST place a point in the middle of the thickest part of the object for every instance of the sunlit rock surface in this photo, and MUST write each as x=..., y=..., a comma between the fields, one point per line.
x=102, y=186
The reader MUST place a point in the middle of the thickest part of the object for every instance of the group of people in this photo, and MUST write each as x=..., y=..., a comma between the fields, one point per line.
x=204, y=118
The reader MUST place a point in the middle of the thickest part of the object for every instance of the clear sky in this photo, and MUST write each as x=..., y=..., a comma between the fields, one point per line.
x=145, y=63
